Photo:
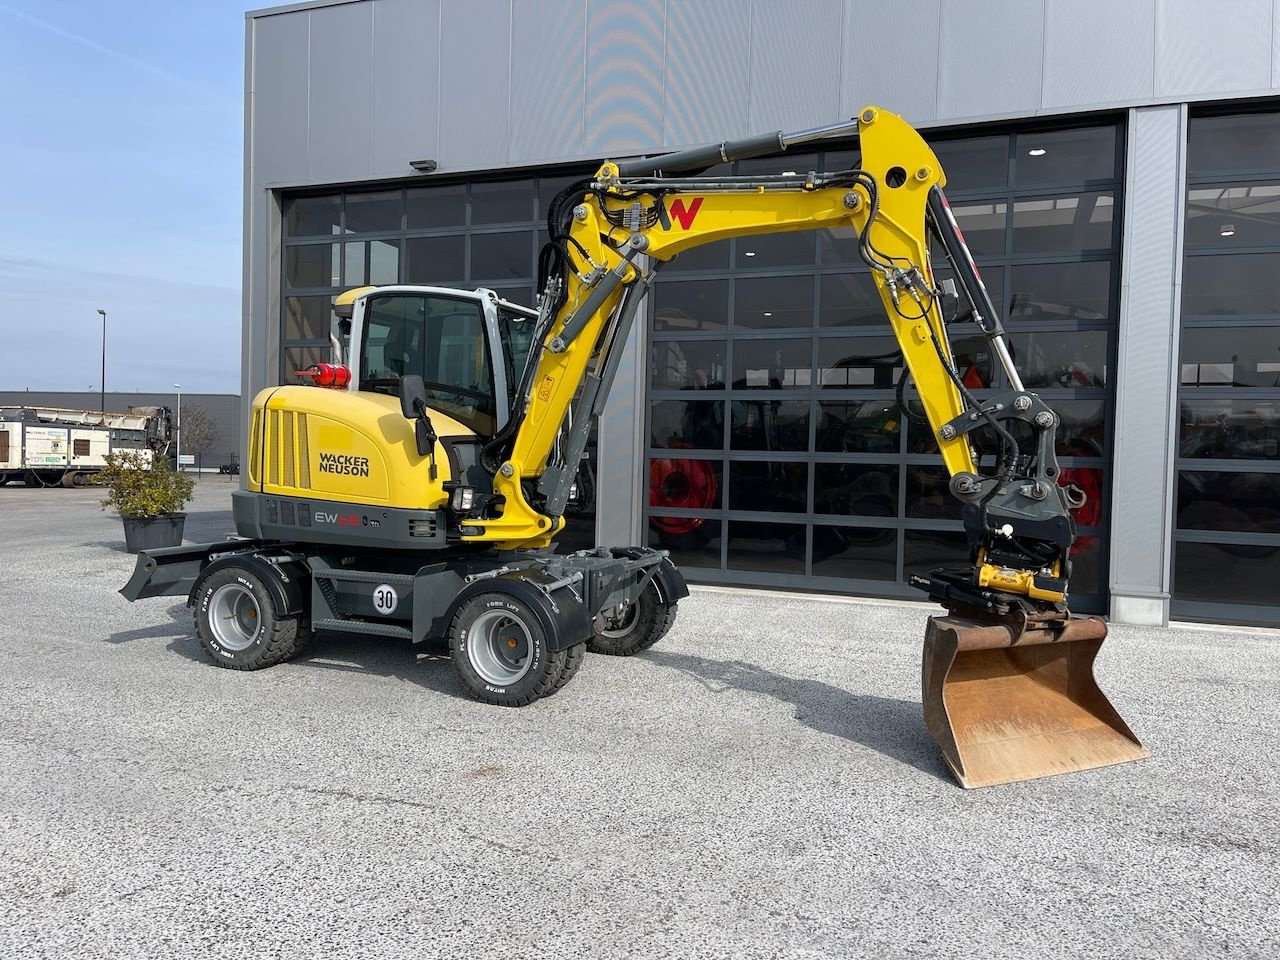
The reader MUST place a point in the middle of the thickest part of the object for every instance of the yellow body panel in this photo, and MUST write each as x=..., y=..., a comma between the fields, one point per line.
x=348, y=446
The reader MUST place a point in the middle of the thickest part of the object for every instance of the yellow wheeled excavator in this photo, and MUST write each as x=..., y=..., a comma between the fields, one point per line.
x=416, y=489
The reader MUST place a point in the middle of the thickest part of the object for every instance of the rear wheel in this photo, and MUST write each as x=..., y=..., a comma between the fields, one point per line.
x=501, y=652
x=631, y=627
x=238, y=625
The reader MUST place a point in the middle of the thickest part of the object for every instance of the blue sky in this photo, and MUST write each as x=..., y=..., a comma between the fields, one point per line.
x=120, y=187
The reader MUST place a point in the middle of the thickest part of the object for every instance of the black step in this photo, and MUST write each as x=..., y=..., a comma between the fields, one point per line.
x=364, y=626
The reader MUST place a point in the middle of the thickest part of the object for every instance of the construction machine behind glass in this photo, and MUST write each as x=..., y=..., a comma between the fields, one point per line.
x=416, y=489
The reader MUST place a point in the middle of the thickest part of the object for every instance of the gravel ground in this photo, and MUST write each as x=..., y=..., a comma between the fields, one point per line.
x=758, y=785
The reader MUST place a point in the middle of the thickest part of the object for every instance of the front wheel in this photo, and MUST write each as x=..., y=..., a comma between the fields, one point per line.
x=631, y=627
x=501, y=652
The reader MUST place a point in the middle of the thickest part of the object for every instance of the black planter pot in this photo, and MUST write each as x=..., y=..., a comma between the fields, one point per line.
x=148, y=533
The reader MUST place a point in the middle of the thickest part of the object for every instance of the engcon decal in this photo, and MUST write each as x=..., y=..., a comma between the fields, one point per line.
x=344, y=464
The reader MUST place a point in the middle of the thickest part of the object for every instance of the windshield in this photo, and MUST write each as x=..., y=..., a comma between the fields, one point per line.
x=438, y=337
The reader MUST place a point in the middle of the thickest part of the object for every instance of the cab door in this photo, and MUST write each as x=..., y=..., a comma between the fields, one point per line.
x=439, y=335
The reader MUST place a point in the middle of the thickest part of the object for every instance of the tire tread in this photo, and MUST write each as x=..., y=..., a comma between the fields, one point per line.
x=569, y=666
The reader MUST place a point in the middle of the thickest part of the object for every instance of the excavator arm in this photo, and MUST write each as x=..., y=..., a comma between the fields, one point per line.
x=1008, y=687
x=611, y=235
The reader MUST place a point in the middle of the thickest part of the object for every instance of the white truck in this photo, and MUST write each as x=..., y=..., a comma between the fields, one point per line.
x=56, y=446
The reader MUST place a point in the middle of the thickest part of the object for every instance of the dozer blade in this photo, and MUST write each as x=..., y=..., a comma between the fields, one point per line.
x=1009, y=699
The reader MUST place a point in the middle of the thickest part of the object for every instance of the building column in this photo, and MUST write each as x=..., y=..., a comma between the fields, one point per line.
x=1146, y=416
x=620, y=444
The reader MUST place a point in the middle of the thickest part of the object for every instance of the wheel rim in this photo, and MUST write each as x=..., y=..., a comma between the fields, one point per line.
x=621, y=624
x=500, y=649
x=233, y=616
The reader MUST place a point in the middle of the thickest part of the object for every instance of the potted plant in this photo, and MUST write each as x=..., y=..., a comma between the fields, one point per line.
x=149, y=496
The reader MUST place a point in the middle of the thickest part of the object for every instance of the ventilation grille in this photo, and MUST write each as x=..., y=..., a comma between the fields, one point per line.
x=4, y=445
x=304, y=453
x=255, y=449
x=289, y=452
x=273, y=445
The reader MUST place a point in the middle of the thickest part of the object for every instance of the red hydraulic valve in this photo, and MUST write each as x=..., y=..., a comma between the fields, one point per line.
x=336, y=376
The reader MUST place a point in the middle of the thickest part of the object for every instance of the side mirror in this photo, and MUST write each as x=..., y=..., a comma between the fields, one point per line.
x=413, y=396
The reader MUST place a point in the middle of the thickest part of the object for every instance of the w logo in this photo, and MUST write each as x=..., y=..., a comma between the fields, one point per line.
x=683, y=215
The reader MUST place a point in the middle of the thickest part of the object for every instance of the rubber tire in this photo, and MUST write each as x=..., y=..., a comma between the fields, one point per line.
x=569, y=665
x=278, y=638
x=653, y=619
x=544, y=674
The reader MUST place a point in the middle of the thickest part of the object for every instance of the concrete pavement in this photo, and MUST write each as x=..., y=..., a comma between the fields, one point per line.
x=758, y=785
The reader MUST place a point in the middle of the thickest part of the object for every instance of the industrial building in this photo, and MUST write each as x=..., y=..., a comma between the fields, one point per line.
x=221, y=411
x=1115, y=165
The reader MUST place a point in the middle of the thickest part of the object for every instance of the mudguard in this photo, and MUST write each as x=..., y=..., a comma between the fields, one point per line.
x=562, y=615
x=668, y=578
x=287, y=580
x=670, y=582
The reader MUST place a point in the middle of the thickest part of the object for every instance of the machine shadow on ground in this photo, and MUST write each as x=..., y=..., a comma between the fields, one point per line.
x=427, y=665
x=891, y=727
x=178, y=622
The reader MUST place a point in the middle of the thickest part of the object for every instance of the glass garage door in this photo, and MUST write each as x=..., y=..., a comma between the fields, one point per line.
x=1226, y=550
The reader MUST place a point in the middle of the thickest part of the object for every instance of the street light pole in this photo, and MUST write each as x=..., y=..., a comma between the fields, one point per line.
x=103, y=407
x=178, y=387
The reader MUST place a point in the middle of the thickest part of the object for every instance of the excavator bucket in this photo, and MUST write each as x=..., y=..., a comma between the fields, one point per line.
x=1010, y=699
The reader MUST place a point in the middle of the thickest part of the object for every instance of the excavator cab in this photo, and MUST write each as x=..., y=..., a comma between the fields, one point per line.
x=469, y=348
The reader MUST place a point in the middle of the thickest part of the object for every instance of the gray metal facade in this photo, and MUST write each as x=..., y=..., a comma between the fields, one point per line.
x=1151, y=270
x=351, y=92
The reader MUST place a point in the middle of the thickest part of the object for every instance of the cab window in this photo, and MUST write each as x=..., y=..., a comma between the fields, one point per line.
x=516, y=331
x=439, y=338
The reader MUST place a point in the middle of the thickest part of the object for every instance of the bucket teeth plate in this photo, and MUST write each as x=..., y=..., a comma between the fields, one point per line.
x=1010, y=700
